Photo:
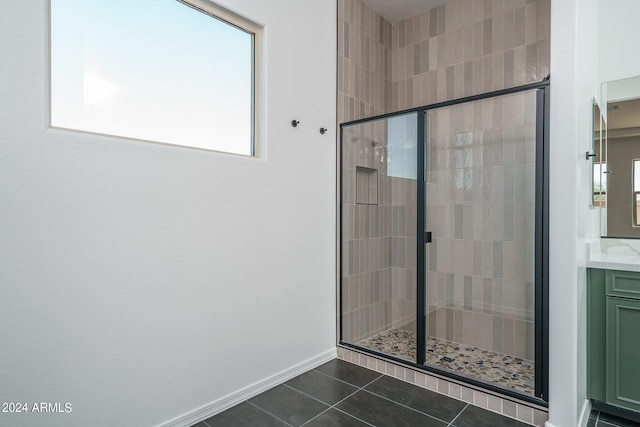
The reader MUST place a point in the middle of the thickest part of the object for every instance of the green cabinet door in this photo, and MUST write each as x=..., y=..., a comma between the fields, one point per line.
x=623, y=353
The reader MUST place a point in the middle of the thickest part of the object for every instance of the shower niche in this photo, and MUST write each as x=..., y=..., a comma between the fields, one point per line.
x=366, y=186
x=443, y=239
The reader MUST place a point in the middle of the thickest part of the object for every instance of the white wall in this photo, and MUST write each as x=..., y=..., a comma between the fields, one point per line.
x=587, y=218
x=573, y=86
x=618, y=39
x=140, y=282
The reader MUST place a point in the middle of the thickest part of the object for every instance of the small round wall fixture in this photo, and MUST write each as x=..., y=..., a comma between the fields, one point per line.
x=323, y=130
x=295, y=123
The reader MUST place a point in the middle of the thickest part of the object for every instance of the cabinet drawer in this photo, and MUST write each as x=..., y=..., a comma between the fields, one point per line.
x=624, y=284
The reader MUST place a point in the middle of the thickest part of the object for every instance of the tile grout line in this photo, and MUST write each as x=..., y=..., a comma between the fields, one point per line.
x=315, y=416
x=459, y=413
x=461, y=384
x=353, y=416
x=318, y=400
x=305, y=394
x=382, y=397
x=362, y=388
x=269, y=413
x=338, y=402
x=345, y=382
x=339, y=410
x=407, y=407
x=308, y=395
x=373, y=381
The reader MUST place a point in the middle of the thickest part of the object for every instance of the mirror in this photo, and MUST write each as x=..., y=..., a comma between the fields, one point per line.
x=616, y=177
x=598, y=159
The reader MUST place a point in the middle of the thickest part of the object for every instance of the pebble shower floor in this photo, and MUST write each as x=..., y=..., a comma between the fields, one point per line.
x=504, y=370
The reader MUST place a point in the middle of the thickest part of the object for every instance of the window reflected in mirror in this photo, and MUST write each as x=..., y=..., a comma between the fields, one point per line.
x=599, y=185
x=599, y=165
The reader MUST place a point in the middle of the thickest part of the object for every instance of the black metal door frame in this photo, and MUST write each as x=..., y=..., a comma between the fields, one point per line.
x=541, y=284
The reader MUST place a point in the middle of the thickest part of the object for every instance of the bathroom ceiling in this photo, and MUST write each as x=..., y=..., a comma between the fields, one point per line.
x=397, y=10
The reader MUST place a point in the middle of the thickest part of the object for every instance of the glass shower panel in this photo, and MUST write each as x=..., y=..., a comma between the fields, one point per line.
x=480, y=208
x=378, y=235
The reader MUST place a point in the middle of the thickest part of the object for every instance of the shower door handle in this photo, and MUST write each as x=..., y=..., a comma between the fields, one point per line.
x=427, y=237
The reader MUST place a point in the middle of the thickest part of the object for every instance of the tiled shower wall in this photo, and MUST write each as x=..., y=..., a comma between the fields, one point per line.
x=364, y=62
x=364, y=90
x=480, y=206
x=467, y=47
x=403, y=253
x=462, y=48
x=366, y=230
x=379, y=236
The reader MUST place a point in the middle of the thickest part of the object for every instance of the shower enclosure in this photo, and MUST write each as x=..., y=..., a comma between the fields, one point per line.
x=443, y=238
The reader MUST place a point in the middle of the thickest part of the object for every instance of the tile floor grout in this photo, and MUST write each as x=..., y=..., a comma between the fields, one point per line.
x=424, y=388
x=345, y=382
x=408, y=407
x=340, y=401
x=374, y=394
x=352, y=390
x=353, y=416
x=267, y=412
x=382, y=397
x=331, y=386
x=456, y=417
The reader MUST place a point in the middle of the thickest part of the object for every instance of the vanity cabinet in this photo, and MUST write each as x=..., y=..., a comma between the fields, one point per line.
x=613, y=324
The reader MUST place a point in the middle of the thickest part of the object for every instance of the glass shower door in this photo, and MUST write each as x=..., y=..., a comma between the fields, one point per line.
x=378, y=235
x=480, y=207
x=443, y=239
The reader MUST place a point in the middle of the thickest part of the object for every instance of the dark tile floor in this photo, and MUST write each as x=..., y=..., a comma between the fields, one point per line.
x=343, y=394
x=600, y=419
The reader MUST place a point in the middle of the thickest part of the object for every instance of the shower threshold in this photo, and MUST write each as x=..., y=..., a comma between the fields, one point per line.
x=503, y=370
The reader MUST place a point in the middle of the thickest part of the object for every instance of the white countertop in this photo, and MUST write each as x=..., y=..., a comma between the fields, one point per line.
x=614, y=254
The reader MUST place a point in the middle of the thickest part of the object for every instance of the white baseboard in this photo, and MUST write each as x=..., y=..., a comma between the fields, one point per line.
x=226, y=402
x=584, y=415
x=586, y=412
